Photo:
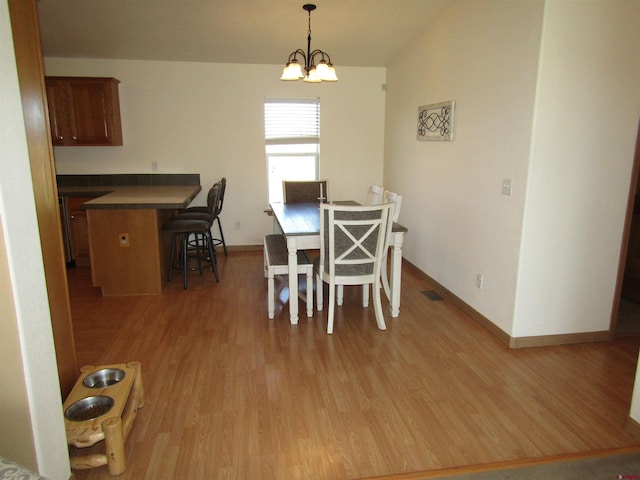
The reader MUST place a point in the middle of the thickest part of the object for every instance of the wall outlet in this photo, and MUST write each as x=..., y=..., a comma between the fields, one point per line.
x=123, y=239
x=237, y=225
x=154, y=166
x=479, y=281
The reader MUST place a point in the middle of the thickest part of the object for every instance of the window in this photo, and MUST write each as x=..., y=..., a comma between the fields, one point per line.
x=292, y=141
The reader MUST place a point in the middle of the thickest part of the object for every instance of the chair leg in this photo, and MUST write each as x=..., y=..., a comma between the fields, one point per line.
x=271, y=301
x=212, y=254
x=319, y=292
x=185, y=246
x=385, y=277
x=365, y=295
x=224, y=245
x=332, y=303
x=310, y=292
x=340, y=295
x=172, y=256
x=199, y=247
x=265, y=261
x=377, y=305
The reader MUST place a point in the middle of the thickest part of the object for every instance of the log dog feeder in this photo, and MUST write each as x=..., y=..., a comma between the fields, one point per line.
x=102, y=406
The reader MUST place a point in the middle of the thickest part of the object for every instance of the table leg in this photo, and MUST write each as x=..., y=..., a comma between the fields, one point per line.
x=292, y=246
x=396, y=270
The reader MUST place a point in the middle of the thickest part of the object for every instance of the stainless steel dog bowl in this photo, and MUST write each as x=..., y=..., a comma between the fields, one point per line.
x=89, y=408
x=103, y=378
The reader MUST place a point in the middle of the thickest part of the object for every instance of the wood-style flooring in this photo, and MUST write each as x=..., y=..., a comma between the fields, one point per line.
x=230, y=394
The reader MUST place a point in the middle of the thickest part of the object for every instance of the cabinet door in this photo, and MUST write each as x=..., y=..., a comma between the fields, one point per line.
x=58, y=113
x=84, y=111
x=93, y=112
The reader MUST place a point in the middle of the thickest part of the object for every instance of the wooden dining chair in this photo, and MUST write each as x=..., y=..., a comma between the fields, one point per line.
x=313, y=191
x=353, y=239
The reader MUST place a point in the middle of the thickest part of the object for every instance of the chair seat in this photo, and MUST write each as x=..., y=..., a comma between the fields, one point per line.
x=194, y=215
x=278, y=255
x=185, y=225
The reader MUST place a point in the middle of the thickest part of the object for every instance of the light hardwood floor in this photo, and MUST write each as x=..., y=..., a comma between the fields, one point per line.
x=230, y=394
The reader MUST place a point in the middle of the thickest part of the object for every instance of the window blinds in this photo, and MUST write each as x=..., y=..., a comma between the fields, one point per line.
x=292, y=120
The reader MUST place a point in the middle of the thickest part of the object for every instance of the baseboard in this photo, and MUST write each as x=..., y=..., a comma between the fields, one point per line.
x=244, y=248
x=561, y=339
x=501, y=335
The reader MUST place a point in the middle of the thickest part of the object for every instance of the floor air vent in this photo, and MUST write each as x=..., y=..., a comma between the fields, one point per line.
x=432, y=295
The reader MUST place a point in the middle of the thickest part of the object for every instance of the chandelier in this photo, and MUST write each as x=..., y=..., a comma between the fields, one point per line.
x=322, y=72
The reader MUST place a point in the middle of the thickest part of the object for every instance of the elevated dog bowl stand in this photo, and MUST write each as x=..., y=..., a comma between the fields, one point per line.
x=113, y=426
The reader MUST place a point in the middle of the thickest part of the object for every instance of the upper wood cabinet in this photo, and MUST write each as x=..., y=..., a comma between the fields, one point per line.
x=84, y=111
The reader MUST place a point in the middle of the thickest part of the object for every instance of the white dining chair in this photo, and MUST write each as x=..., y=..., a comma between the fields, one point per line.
x=396, y=200
x=374, y=195
x=391, y=197
x=353, y=239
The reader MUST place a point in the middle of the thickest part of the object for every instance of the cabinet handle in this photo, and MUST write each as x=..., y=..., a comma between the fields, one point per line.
x=72, y=217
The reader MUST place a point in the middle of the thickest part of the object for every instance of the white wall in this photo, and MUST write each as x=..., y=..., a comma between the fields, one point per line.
x=484, y=56
x=581, y=159
x=31, y=418
x=547, y=95
x=209, y=119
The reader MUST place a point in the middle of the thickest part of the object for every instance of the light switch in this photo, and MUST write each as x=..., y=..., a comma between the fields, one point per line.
x=506, y=186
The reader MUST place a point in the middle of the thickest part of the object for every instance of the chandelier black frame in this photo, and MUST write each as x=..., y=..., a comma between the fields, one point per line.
x=322, y=72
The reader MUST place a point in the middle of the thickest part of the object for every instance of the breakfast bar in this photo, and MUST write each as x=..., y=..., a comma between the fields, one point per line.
x=127, y=247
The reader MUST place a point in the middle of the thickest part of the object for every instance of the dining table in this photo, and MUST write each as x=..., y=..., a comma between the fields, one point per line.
x=300, y=224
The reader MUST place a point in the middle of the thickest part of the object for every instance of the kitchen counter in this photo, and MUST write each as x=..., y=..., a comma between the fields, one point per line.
x=129, y=251
x=139, y=196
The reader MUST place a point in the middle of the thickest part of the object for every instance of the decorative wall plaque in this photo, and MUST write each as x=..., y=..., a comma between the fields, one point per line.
x=435, y=121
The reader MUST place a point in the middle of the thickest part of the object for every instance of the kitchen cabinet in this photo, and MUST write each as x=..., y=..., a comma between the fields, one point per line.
x=79, y=231
x=84, y=111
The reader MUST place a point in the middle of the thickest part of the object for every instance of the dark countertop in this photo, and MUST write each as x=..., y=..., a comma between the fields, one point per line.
x=123, y=197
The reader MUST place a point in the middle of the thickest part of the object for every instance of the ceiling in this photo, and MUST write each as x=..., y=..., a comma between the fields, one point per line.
x=352, y=32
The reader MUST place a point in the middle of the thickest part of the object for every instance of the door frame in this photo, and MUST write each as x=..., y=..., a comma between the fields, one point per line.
x=624, y=248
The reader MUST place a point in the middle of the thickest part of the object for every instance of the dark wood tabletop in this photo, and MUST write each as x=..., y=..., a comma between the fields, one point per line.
x=298, y=218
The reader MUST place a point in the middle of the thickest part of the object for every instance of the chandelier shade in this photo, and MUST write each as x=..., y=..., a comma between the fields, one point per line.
x=308, y=70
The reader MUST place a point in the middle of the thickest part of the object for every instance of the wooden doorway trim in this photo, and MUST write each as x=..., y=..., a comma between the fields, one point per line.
x=26, y=39
x=624, y=249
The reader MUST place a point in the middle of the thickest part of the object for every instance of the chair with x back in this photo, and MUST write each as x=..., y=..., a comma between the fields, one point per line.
x=353, y=239
x=313, y=191
x=396, y=200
